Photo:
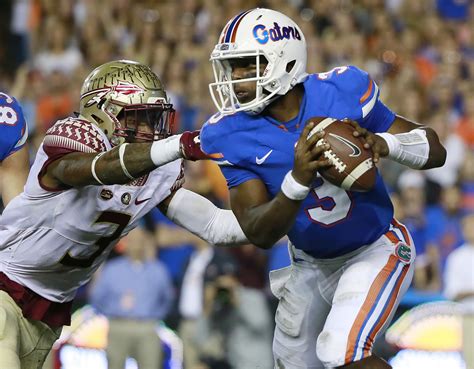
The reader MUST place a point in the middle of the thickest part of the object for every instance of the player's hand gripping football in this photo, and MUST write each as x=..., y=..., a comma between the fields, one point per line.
x=191, y=146
x=308, y=156
x=377, y=144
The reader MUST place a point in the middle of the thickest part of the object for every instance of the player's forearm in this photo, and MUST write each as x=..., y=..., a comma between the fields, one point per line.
x=437, y=153
x=77, y=169
x=414, y=145
x=266, y=221
x=117, y=166
x=266, y=224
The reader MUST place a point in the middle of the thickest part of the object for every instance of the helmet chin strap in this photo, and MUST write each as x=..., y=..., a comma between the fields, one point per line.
x=115, y=140
x=261, y=106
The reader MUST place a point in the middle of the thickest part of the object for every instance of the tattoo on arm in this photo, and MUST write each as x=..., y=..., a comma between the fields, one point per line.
x=75, y=169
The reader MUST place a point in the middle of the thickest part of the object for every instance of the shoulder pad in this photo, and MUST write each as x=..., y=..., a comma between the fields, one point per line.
x=346, y=78
x=76, y=135
x=11, y=113
x=355, y=84
x=13, y=125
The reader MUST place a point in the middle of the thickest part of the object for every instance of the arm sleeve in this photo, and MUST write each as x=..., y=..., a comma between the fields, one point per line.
x=379, y=119
x=201, y=217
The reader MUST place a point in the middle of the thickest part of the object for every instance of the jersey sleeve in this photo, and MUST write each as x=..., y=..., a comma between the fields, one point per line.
x=14, y=130
x=68, y=136
x=72, y=135
x=235, y=175
x=357, y=98
x=221, y=144
x=375, y=115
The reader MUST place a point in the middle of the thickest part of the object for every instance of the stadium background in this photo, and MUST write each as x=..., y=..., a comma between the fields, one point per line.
x=421, y=53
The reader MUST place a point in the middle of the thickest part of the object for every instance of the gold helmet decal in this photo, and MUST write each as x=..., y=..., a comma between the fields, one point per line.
x=120, y=96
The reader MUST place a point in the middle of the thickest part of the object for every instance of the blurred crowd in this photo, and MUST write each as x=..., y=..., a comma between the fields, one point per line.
x=421, y=53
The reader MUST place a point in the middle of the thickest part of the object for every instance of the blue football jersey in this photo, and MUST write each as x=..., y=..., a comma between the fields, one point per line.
x=13, y=128
x=332, y=221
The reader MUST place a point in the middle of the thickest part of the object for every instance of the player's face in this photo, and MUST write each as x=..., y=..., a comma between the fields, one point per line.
x=138, y=126
x=243, y=68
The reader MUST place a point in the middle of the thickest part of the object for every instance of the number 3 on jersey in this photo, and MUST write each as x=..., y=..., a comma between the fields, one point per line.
x=121, y=220
x=333, y=204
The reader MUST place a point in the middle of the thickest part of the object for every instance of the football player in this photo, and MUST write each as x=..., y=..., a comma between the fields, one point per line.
x=94, y=177
x=13, y=136
x=351, y=261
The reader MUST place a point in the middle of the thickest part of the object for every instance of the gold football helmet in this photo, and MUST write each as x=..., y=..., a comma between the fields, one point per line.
x=122, y=95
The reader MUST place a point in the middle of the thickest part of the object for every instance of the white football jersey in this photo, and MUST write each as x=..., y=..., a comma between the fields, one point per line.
x=53, y=241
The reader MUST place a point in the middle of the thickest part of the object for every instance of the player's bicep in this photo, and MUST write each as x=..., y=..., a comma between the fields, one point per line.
x=245, y=197
x=70, y=170
x=401, y=125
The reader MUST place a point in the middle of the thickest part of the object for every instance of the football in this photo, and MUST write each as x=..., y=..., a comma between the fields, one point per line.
x=353, y=167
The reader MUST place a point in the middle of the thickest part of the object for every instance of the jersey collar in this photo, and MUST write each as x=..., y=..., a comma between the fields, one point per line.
x=293, y=124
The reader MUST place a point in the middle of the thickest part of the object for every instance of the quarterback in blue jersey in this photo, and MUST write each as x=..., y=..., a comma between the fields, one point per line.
x=13, y=136
x=351, y=261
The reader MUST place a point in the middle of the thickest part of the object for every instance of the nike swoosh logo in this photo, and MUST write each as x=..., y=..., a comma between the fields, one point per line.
x=263, y=158
x=355, y=150
x=138, y=202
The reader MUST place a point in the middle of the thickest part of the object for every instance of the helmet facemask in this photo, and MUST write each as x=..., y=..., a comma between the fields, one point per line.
x=145, y=122
x=223, y=91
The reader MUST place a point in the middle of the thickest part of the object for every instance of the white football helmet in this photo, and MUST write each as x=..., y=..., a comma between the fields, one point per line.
x=256, y=33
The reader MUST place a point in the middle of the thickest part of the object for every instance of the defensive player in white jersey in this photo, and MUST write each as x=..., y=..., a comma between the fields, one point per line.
x=94, y=177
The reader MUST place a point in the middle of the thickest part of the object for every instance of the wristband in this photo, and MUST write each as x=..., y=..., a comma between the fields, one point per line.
x=292, y=189
x=122, y=163
x=165, y=151
x=94, y=161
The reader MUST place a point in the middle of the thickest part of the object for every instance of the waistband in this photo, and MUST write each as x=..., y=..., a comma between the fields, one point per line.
x=396, y=233
x=36, y=307
x=298, y=255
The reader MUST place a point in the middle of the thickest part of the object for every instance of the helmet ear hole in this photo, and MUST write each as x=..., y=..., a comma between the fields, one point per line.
x=290, y=66
x=263, y=59
x=97, y=119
